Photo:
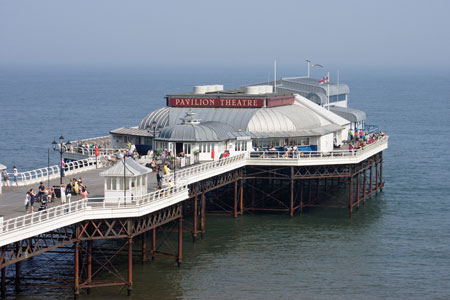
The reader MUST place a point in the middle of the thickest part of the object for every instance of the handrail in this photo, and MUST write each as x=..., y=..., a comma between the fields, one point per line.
x=63, y=210
x=105, y=137
x=316, y=154
x=162, y=194
x=52, y=172
x=91, y=151
x=184, y=173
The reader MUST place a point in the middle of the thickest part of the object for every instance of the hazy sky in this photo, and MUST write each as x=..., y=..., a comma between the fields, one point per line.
x=227, y=32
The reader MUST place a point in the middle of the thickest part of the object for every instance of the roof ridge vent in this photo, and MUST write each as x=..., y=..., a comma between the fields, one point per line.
x=189, y=118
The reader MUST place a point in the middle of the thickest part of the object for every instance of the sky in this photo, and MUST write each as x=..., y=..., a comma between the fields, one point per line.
x=224, y=33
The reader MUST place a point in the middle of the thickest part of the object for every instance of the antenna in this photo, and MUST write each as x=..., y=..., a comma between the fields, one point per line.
x=309, y=65
x=338, y=77
x=275, y=76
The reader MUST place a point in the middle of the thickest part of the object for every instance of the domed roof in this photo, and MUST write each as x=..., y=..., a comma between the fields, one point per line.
x=204, y=132
x=160, y=116
x=267, y=119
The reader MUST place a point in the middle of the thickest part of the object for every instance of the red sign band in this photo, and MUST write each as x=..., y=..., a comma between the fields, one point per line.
x=215, y=102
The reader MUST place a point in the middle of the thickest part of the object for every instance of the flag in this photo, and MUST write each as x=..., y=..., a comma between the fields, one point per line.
x=324, y=79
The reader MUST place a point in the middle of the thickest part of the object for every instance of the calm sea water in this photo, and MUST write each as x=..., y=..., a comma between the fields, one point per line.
x=397, y=246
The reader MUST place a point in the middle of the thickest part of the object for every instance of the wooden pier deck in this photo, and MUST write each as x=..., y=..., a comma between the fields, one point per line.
x=12, y=199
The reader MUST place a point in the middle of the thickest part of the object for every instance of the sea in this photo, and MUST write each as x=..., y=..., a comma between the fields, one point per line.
x=396, y=246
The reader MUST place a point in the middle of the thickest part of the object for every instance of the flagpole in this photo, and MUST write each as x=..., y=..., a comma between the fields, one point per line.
x=328, y=79
x=275, y=76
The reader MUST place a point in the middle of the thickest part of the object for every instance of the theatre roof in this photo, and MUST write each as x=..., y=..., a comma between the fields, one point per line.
x=132, y=131
x=265, y=119
x=351, y=114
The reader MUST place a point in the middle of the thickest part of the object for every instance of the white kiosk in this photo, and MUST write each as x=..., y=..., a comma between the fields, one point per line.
x=125, y=181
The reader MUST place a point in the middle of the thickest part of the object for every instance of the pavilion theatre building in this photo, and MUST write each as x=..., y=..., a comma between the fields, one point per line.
x=211, y=121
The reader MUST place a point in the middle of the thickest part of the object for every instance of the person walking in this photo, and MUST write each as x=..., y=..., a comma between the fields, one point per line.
x=16, y=175
x=5, y=177
x=159, y=177
x=27, y=201
x=69, y=191
x=32, y=199
x=63, y=193
x=62, y=166
x=84, y=193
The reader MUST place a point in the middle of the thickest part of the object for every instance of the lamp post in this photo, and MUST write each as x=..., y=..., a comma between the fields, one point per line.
x=124, y=181
x=310, y=64
x=174, y=168
x=62, y=148
x=153, y=127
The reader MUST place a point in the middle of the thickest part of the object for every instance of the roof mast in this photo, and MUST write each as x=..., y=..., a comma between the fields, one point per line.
x=275, y=76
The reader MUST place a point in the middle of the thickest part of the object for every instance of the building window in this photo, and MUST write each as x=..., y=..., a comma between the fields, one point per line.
x=336, y=98
x=267, y=143
x=240, y=146
x=205, y=147
x=187, y=148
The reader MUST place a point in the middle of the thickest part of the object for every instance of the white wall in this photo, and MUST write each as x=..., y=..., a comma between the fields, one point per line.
x=325, y=143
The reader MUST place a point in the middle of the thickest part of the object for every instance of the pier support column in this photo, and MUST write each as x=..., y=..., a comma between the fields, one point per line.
x=381, y=172
x=17, y=279
x=358, y=188
x=291, y=204
x=130, y=266
x=351, y=195
x=3, y=283
x=310, y=190
x=377, y=185
x=365, y=186
x=302, y=183
x=235, y=199
x=241, y=200
x=253, y=194
x=143, y=247
x=89, y=266
x=76, y=282
x=370, y=181
x=180, y=241
x=317, y=190
x=195, y=225
x=203, y=212
x=153, y=251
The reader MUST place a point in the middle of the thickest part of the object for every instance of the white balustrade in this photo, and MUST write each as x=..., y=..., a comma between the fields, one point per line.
x=334, y=154
x=64, y=210
x=53, y=172
x=165, y=194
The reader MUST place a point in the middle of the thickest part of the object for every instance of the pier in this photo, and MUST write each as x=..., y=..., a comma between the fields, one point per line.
x=268, y=181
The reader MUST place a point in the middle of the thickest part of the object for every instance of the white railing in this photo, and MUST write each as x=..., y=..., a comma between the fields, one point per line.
x=53, y=172
x=46, y=215
x=316, y=154
x=68, y=209
x=118, y=202
x=94, y=139
x=189, y=172
x=91, y=151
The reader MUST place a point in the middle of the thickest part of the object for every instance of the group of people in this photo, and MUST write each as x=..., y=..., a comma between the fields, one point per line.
x=361, y=138
x=130, y=151
x=47, y=194
x=5, y=176
x=84, y=146
x=162, y=176
x=73, y=188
